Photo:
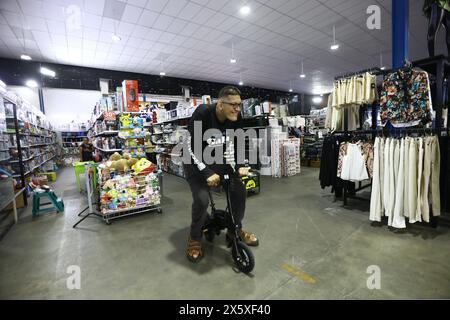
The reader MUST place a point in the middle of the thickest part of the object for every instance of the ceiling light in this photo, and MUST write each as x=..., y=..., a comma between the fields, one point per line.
x=334, y=46
x=302, y=74
x=233, y=58
x=25, y=57
x=382, y=67
x=317, y=100
x=290, y=90
x=48, y=72
x=162, y=74
x=31, y=84
x=245, y=10
x=241, y=83
x=116, y=38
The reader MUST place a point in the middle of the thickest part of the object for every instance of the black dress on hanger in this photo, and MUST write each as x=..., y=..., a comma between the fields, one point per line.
x=438, y=14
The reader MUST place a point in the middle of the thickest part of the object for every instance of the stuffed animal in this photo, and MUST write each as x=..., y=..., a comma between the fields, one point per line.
x=113, y=194
x=105, y=199
x=137, y=132
x=123, y=195
x=116, y=156
x=125, y=121
x=142, y=165
x=126, y=156
x=131, y=183
x=132, y=162
x=110, y=184
x=120, y=166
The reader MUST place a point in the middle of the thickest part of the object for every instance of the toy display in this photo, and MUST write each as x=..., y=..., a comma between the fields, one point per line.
x=132, y=133
x=127, y=183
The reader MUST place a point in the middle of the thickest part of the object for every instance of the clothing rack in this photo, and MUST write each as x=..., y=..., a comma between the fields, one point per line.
x=439, y=67
x=375, y=71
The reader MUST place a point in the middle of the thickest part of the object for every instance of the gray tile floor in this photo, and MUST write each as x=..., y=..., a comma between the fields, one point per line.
x=311, y=248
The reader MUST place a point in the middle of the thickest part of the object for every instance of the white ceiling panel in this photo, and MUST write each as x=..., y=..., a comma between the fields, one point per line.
x=95, y=7
x=194, y=37
x=156, y=5
x=138, y=3
x=163, y=22
x=132, y=13
x=147, y=18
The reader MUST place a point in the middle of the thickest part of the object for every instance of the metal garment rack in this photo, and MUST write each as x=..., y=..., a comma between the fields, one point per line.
x=438, y=66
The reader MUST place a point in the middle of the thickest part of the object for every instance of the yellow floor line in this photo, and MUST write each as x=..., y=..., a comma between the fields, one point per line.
x=299, y=274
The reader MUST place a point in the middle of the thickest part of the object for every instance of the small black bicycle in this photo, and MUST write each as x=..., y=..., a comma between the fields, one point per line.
x=219, y=220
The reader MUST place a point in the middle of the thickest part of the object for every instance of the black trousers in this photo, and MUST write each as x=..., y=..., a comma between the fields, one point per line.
x=200, y=197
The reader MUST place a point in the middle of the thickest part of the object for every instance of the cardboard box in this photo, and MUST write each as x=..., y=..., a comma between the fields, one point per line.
x=130, y=96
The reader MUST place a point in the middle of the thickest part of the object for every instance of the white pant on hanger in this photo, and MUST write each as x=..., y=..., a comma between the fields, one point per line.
x=375, y=198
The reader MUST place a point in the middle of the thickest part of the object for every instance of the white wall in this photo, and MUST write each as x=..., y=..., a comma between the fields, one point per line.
x=28, y=94
x=62, y=106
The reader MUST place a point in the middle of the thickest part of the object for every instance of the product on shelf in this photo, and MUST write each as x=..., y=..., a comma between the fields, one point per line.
x=130, y=96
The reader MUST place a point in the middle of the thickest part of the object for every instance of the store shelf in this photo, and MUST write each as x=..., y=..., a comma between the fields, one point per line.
x=6, y=159
x=111, y=150
x=137, y=147
x=40, y=145
x=172, y=120
x=23, y=160
x=51, y=158
x=18, y=175
x=132, y=137
x=107, y=133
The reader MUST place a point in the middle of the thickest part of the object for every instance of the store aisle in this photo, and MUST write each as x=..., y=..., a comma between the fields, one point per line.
x=311, y=248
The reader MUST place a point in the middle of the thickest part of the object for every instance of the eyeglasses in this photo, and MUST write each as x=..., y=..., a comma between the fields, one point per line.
x=234, y=105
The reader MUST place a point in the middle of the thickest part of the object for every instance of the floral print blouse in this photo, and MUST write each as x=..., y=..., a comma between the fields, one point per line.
x=406, y=98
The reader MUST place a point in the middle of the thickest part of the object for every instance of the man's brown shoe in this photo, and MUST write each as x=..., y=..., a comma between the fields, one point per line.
x=194, y=250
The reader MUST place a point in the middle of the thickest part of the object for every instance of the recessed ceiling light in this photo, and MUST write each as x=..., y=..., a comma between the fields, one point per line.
x=25, y=57
x=290, y=90
x=334, y=47
x=31, y=84
x=116, y=38
x=48, y=72
x=241, y=83
x=303, y=76
x=383, y=68
x=245, y=10
x=317, y=100
x=162, y=74
x=233, y=60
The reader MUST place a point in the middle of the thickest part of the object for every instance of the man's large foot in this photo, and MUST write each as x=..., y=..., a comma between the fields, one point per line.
x=194, y=250
x=248, y=238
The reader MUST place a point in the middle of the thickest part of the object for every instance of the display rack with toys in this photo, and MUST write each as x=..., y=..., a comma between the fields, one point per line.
x=133, y=134
x=128, y=186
